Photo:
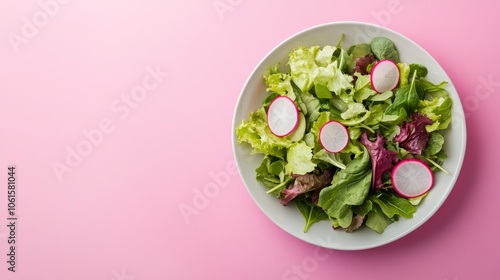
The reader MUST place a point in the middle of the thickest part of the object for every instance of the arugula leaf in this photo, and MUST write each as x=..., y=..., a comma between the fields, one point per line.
x=325, y=157
x=311, y=213
x=376, y=220
x=406, y=98
x=392, y=205
x=349, y=187
x=271, y=175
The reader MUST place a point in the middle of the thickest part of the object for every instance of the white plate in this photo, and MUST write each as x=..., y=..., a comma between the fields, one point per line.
x=289, y=218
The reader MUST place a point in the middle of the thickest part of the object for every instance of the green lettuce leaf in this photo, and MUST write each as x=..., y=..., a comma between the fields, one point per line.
x=325, y=56
x=302, y=67
x=255, y=132
x=279, y=83
x=438, y=110
x=363, y=88
x=299, y=157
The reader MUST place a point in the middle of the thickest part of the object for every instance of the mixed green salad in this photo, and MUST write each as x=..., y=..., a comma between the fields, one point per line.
x=355, y=186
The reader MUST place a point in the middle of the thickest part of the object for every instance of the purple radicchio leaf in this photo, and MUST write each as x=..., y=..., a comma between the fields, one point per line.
x=413, y=136
x=361, y=63
x=382, y=159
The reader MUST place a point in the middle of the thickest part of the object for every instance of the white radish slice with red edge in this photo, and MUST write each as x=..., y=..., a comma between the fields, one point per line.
x=412, y=178
x=282, y=116
x=384, y=76
x=333, y=136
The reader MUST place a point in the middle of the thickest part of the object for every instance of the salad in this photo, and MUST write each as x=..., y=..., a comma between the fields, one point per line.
x=350, y=135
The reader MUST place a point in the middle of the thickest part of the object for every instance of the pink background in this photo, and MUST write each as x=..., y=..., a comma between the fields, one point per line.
x=114, y=214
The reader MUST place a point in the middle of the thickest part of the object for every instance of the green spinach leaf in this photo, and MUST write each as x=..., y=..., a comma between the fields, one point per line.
x=384, y=48
x=349, y=187
x=311, y=213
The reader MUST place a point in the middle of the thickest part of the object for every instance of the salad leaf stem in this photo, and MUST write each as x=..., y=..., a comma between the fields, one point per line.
x=437, y=165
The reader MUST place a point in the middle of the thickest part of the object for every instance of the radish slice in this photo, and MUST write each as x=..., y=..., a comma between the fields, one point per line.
x=412, y=178
x=333, y=136
x=282, y=116
x=384, y=76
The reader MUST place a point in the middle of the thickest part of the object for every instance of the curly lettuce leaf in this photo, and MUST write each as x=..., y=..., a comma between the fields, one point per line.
x=255, y=132
x=302, y=63
x=363, y=88
x=438, y=110
x=298, y=158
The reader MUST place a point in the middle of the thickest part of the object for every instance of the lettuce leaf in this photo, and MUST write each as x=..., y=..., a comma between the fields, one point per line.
x=255, y=132
x=279, y=83
x=298, y=158
x=362, y=88
x=302, y=67
x=438, y=110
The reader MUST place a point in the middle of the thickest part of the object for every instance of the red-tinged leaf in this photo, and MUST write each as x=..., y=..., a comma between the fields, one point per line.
x=382, y=159
x=305, y=183
x=413, y=136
